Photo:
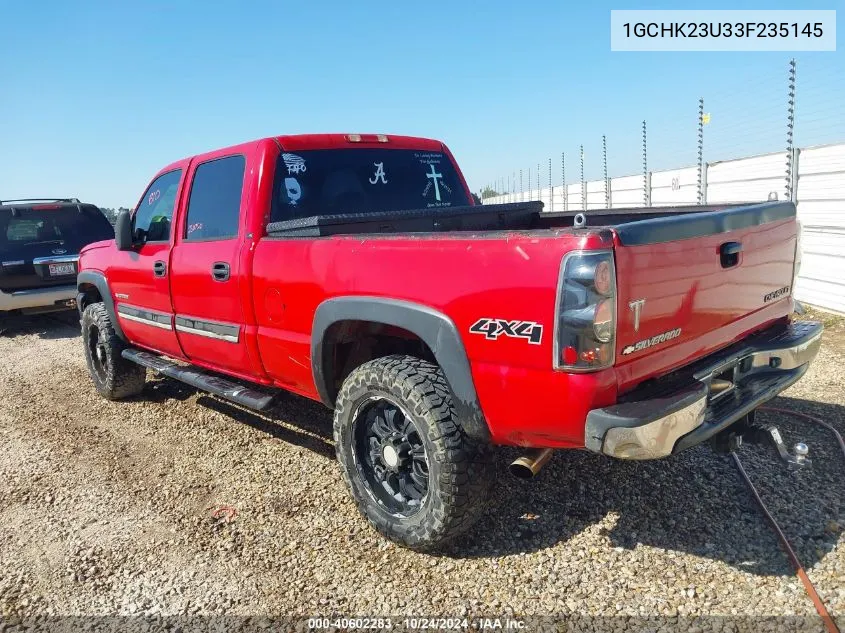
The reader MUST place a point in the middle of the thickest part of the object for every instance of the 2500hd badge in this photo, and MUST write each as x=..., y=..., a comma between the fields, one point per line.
x=775, y=294
x=650, y=342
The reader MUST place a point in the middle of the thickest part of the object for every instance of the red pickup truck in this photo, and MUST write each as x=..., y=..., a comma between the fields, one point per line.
x=356, y=270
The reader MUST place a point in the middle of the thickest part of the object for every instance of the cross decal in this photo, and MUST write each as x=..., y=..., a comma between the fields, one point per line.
x=435, y=177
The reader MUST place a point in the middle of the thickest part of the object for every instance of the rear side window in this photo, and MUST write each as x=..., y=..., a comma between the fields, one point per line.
x=215, y=203
x=155, y=212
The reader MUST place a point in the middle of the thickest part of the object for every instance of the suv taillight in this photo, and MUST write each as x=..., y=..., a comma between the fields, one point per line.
x=585, y=323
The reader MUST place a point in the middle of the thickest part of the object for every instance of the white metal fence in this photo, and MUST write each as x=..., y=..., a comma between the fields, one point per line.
x=819, y=194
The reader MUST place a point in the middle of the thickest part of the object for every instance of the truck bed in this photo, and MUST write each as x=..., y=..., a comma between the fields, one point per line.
x=635, y=225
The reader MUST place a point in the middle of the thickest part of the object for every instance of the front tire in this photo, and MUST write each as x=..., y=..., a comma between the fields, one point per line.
x=114, y=377
x=410, y=467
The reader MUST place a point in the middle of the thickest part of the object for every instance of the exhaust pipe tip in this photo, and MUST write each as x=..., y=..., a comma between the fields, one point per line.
x=521, y=469
x=527, y=466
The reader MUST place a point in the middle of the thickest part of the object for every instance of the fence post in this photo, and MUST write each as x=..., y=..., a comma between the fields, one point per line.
x=551, y=189
x=563, y=181
x=520, y=186
x=604, y=166
x=583, y=183
x=790, y=130
x=701, y=150
x=646, y=176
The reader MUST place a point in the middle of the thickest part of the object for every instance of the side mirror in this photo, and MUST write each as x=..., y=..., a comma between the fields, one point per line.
x=123, y=231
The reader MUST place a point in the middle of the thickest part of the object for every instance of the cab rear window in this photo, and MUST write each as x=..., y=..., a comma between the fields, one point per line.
x=363, y=180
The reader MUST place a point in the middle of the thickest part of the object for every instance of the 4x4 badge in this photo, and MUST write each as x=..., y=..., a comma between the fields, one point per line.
x=494, y=328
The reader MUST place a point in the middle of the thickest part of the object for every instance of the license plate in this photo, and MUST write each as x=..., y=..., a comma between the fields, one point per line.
x=59, y=270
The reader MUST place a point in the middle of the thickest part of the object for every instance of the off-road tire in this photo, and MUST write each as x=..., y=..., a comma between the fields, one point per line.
x=114, y=377
x=461, y=471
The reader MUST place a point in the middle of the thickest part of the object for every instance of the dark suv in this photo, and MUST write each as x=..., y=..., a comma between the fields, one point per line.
x=40, y=242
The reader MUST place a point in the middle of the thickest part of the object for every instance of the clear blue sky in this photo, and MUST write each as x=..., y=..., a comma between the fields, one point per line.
x=97, y=96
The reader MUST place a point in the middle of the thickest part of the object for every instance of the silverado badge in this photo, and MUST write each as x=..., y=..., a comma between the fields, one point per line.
x=651, y=342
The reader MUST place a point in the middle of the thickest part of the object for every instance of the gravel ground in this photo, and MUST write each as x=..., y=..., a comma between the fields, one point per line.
x=175, y=503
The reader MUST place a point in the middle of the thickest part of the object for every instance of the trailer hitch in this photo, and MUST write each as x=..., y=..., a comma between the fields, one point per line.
x=753, y=432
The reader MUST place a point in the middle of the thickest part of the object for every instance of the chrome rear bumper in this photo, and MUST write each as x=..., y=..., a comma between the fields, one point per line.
x=37, y=298
x=685, y=409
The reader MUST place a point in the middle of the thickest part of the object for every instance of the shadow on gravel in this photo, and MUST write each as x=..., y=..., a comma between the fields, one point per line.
x=158, y=390
x=55, y=325
x=694, y=503
x=312, y=422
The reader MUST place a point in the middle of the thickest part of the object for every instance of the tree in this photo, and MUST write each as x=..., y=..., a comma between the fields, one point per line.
x=488, y=192
x=111, y=214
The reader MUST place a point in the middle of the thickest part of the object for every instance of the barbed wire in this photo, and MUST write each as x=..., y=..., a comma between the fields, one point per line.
x=747, y=116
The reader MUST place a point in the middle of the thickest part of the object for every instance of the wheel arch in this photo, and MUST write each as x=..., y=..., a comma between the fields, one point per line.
x=436, y=330
x=93, y=287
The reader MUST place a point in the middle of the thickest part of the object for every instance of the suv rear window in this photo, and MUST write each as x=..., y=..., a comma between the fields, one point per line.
x=83, y=225
x=363, y=180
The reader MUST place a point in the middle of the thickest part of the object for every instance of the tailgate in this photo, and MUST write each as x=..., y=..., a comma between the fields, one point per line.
x=689, y=285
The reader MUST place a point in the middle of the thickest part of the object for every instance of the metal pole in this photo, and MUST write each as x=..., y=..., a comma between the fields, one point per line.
x=701, y=150
x=551, y=189
x=583, y=183
x=790, y=129
x=563, y=180
x=529, y=183
x=520, y=185
x=539, y=186
x=646, y=196
x=604, y=163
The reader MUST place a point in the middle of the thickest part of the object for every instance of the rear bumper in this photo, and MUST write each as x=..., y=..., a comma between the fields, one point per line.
x=55, y=297
x=692, y=406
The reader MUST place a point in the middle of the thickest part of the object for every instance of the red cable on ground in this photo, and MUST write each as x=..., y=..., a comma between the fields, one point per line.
x=828, y=620
x=793, y=557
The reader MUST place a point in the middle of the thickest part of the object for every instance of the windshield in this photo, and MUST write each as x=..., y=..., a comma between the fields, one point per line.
x=365, y=180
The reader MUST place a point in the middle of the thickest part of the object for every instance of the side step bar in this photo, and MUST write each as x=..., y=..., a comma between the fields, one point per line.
x=232, y=391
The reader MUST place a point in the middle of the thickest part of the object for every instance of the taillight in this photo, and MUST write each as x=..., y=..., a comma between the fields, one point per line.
x=585, y=327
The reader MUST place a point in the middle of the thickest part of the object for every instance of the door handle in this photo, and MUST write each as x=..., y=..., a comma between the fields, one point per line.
x=159, y=269
x=729, y=253
x=220, y=271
